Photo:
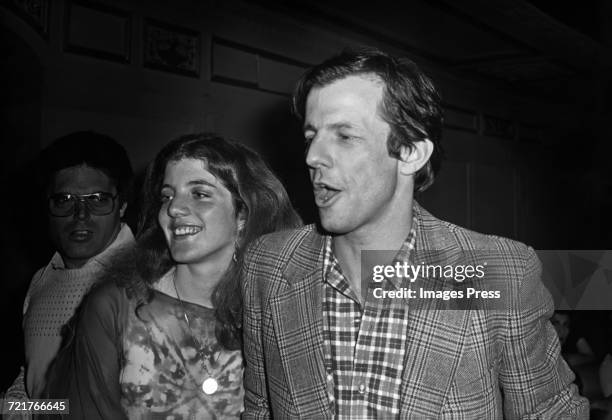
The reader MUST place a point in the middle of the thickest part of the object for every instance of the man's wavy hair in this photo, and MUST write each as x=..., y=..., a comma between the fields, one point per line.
x=410, y=103
x=258, y=195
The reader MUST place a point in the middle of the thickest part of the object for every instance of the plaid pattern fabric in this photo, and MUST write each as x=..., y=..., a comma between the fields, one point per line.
x=458, y=365
x=364, y=346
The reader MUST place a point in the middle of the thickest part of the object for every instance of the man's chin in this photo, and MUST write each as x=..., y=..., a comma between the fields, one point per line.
x=334, y=226
x=81, y=251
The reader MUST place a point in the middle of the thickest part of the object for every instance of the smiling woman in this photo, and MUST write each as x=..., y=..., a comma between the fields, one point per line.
x=162, y=335
x=197, y=215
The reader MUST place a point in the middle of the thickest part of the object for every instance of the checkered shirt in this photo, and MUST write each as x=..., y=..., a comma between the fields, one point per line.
x=364, y=346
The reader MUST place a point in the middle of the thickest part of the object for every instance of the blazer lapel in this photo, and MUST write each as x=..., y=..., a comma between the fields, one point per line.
x=435, y=337
x=298, y=324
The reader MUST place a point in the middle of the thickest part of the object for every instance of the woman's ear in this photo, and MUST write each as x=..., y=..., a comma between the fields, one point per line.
x=241, y=222
x=415, y=157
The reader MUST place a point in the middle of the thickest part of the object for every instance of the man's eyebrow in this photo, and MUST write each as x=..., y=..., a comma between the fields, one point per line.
x=335, y=126
x=341, y=125
x=74, y=193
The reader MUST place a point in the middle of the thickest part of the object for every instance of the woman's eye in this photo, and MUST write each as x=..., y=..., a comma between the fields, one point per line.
x=165, y=198
x=201, y=194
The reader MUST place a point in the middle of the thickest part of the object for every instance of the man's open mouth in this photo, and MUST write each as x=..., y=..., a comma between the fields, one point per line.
x=324, y=193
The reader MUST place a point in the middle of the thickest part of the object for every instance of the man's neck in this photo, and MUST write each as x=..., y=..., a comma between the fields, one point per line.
x=348, y=247
x=73, y=263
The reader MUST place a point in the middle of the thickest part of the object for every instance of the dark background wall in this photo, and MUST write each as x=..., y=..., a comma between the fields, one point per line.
x=528, y=101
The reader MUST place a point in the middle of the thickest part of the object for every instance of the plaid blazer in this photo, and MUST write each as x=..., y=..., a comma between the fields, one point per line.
x=459, y=364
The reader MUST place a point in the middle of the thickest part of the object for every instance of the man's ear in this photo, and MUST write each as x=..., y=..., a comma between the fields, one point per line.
x=414, y=158
x=122, y=210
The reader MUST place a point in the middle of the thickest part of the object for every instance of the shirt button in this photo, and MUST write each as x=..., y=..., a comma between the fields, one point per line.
x=362, y=388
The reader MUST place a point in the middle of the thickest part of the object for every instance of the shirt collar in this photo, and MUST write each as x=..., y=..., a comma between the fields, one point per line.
x=408, y=246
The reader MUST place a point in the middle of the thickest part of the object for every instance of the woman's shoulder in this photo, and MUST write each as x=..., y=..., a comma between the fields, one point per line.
x=105, y=293
x=121, y=279
x=105, y=301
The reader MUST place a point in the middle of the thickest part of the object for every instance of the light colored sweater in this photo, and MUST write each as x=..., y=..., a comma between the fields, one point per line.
x=54, y=294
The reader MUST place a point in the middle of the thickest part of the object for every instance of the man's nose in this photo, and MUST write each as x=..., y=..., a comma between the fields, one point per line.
x=81, y=211
x=319, y=153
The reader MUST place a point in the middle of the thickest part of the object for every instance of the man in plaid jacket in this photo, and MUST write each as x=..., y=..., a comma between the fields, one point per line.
x=320, y=344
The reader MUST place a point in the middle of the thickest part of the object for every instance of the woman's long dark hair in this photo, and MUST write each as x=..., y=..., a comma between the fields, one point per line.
x=257, y=194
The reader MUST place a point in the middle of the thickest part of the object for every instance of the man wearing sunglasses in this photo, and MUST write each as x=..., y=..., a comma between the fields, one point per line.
x=85, y=179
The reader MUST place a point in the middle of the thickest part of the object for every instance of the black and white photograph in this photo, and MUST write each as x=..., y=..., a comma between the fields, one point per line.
x=306, y=209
